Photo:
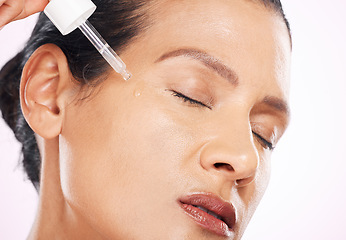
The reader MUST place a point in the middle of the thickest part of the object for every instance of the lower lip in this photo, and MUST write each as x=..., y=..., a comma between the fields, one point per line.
x=207, y=221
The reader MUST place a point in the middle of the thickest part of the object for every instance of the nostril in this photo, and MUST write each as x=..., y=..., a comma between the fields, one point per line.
x=224, y=166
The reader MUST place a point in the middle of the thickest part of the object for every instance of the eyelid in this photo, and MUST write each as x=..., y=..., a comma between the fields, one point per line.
x=189, y=99
x=263, y=141
x=258, y=131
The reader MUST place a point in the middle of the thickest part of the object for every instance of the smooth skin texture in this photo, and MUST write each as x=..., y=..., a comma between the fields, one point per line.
x=115, y=163
x=11, y=10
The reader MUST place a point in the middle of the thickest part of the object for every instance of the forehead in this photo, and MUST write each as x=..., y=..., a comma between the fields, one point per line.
x=245, y=35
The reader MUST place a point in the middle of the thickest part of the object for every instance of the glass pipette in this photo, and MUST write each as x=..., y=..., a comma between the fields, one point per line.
x=104, y=49
x=67, y=15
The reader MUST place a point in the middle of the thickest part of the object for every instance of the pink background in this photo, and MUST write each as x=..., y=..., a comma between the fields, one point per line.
x=306, y=197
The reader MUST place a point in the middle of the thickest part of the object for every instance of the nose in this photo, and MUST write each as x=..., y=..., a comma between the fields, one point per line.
x=231, y=155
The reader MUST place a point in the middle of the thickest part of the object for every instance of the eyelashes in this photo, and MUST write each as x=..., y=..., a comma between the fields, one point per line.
x=189, y=100
x=265, y=144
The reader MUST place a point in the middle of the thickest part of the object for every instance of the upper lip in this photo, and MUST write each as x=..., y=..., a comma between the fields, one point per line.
x=214, y=204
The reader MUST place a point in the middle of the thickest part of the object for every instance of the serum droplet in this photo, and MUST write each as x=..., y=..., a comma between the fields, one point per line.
x=137, y=93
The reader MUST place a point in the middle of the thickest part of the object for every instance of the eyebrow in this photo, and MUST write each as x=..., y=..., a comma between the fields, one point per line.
x=278, y=104
x=225, y=72
x=208, y=60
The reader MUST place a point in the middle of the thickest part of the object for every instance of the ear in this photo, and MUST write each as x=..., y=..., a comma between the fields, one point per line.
x=46, y=79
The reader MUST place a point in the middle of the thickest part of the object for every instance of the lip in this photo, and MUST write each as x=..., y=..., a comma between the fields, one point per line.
x=213, y=203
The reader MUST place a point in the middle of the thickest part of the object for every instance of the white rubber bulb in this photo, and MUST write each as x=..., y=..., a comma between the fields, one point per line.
x=67, y=15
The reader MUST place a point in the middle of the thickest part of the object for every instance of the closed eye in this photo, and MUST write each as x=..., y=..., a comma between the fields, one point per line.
x=189, y=100
x=266, y=144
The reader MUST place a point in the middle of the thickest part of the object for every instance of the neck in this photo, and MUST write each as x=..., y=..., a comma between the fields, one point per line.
x=55, y=218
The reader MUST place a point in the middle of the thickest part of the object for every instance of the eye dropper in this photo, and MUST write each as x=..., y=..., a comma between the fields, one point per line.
x=67, y=15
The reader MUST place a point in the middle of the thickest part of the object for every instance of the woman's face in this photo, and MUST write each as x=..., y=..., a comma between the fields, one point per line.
x=191, y=130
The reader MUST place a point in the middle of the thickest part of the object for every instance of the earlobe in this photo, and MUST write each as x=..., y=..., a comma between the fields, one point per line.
x=45, y=79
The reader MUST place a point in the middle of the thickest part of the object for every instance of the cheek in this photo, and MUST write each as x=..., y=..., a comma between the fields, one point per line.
x=113, y=155
x=250, y=196
x=260, y=183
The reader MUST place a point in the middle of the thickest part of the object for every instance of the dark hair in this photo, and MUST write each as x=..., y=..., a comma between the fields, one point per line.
x=118, y=21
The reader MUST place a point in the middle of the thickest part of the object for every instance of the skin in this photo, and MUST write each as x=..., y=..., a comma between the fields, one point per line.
x=115, y=163
x=11, y=10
